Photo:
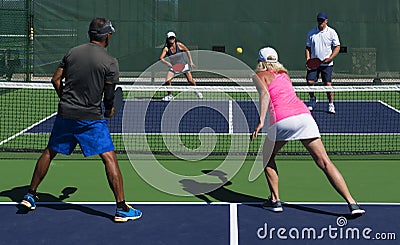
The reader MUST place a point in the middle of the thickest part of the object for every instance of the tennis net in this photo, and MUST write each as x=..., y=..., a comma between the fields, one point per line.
x=367, y=119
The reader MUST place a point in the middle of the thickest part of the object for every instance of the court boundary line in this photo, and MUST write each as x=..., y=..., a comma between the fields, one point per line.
x=230, y=117
x=389, y=106
x=233, y=224
x=26, y=129
x=205, y=203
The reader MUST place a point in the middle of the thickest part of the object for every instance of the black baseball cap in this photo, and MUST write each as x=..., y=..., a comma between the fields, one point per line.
x=95, y=29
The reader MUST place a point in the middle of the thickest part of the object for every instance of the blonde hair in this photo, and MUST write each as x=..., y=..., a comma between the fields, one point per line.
x=275, y=67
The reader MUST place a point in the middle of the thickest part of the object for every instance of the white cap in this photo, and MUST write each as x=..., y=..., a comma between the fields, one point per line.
x=171, y=34
x=268, y=55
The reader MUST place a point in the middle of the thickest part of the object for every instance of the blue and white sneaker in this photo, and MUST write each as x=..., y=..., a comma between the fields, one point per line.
x=131, y=214
x=29, y=202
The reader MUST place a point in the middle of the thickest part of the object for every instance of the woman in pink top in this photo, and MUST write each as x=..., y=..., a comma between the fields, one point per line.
x=289, y=119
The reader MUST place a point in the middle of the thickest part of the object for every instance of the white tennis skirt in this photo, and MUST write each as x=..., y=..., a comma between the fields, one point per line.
x=297, y=127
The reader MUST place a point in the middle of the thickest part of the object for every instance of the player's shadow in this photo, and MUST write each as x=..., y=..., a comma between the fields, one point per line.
x=221, y=193
x=45, y=200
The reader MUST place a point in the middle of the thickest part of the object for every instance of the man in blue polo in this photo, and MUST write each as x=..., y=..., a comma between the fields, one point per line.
x=90, y=73
x=323, y=43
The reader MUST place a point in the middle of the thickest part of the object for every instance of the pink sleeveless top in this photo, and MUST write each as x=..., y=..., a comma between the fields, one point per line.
x=284, y=101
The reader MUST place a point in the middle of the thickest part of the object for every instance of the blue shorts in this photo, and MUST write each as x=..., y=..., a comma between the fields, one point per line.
x=92, y=135
x=325, y=71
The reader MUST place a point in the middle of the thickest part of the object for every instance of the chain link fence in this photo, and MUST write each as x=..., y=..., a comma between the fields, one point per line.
x=16, y=38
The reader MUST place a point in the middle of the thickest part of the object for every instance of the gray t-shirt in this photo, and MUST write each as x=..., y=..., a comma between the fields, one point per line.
x=86, y=68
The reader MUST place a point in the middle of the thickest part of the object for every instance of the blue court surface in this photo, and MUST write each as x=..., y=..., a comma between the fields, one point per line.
x=200, y=223
x=240, y=117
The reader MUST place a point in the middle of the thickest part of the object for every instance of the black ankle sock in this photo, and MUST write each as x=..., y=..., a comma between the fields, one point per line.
x=32, y=192
x=122, y=205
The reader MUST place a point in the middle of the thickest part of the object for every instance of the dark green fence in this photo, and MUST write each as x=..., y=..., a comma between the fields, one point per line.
x=369, y=31
x=15, y=44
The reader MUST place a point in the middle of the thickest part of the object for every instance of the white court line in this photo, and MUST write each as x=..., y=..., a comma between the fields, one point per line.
x=205, y=204
x=233, y=224
x=28, y=128
x=133, y=203
x=389, y=106
x=230, y=117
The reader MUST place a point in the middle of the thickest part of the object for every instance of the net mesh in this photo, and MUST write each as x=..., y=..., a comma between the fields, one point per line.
x=367, y=119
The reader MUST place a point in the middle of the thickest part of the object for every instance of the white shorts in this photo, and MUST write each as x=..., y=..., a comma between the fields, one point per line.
x=297, y=127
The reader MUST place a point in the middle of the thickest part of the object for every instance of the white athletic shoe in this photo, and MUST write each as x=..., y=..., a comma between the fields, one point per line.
x=331, y=108
x=355, y=209
x=168, y=98
x=198, y=94
x=275, y=206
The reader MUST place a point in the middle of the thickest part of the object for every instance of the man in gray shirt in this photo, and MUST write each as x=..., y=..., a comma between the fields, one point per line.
x=89, y=72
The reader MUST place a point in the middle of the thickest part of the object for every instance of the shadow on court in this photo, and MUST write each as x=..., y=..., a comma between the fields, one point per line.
x=45, y=200
x=223, y=194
